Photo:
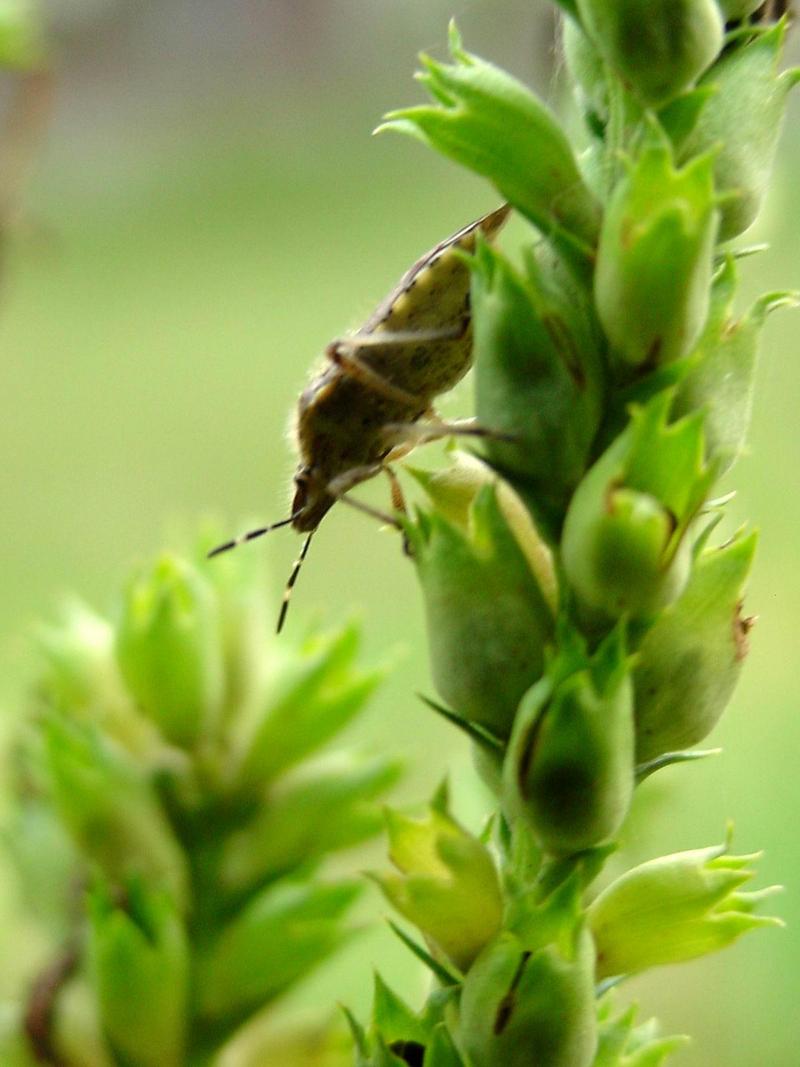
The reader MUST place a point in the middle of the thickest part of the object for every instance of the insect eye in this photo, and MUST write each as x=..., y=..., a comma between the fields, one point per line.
x=301, y=478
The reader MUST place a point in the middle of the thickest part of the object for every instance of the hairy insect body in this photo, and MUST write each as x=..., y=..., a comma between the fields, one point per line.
x=377, y=390
x=373, y=384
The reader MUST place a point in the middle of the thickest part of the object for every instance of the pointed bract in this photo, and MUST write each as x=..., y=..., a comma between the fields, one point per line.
x=672, y=909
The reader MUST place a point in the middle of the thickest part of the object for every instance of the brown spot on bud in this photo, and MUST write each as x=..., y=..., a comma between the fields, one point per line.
x=742, y=625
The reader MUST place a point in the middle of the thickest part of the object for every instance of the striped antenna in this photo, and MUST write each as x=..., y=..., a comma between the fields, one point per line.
x=251, y=535
x=287, y=593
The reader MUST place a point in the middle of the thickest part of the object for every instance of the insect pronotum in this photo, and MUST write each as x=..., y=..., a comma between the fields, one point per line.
x=372, y=402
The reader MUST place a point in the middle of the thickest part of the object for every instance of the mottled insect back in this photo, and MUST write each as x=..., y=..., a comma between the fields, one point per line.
x=385, y=376
x=373, y=401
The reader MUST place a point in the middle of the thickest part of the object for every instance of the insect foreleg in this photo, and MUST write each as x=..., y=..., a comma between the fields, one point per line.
x=341, y=485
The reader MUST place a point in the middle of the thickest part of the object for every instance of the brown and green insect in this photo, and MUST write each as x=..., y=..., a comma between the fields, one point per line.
x=373, y=400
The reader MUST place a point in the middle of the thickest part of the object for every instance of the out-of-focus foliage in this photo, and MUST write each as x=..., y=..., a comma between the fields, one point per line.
x=192, y=228
x=173, y=812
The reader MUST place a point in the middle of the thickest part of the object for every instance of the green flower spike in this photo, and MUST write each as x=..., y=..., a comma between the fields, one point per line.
x=742, y=122
x=569, y=769
x=139, y=968
x=690, y=660
x=654, y=261
x=447, y=886
x=625, y=545
x=720, y=373
x=491, y=123
x=657, y=47
x=538, y=372
x=675, y=908
x=529, y=997
x=169, y=650
x=488, y=583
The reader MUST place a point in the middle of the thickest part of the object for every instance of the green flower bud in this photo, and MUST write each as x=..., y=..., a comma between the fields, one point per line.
x=674, y=908
x=720, y=374
x=529, y=996
x=623, y=1043
x=111, y=811
x=312, y=693
x=139, y=966
x=320, y=808
x=657, y=47
x=690, y=659
x=276, y=939
x=453, y=491
x=487, y=591
x=82, y=679
x=538, y=372
x=625, y=548
x=169, y=650
x=448, y=885
x=742, y=122
x=488, y=121
x=654, y=261
x=569, y=766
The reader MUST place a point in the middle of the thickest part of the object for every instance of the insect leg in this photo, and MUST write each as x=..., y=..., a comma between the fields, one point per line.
x=399, y=504
x=344, y=353
x=398, y=500
x=419, y=433
x=341, y=485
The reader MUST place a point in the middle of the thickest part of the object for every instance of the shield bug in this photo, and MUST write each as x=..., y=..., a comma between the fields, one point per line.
x=372, y=401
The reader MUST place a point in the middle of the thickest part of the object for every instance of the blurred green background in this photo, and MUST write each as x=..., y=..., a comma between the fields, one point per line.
x=208, y=211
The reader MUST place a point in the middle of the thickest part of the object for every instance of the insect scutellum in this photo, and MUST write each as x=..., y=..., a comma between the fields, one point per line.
x=373, y=401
